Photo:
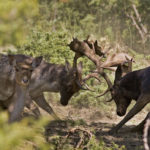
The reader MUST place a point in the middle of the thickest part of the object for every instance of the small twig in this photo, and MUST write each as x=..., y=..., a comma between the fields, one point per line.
x=85, y=134
x=139, y=19
x=137, y=27
x=80, y=141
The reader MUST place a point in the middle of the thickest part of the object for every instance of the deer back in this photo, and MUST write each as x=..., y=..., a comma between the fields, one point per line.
x=56, y=78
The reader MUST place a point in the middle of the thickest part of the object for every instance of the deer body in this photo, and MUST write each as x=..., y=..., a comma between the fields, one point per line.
x=135, y=85
x=54, y=78
x=7, y=77
x=15, y=74
x=46, y=78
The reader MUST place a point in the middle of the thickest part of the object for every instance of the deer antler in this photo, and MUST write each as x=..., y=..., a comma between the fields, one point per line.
x=110, y=100
x=103, y=93
x=84, y=49
x=92, y=75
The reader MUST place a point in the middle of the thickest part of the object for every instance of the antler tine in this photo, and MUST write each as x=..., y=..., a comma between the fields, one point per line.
x=77, y=55
x=103, y=93
x=129, y=63
x=106, y=79
x=82, y=88
x=107, y=50
x=109, y=68
x=88, y=88
x=92, y=75
x=85, y=50
x=110, y=100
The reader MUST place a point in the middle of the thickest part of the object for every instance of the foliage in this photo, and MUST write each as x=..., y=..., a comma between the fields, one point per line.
x=51, y=45
x=77, y=18
x=27, y=134
x=93, y=144
x=15, y=19
x=100, y=17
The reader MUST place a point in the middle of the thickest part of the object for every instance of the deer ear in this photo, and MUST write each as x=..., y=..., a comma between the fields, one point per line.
x=96, y=43
x=118, y=74
x=67, y=66
x=11, y=59
x=79, y=67
x=75, y=39
x=37, y=61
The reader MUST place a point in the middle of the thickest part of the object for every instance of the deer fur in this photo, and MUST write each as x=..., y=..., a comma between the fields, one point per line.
x=50, y=77
x=15, y=74
x=133, y=86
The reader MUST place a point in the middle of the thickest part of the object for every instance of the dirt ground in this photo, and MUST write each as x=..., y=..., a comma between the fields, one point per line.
x=96, y=122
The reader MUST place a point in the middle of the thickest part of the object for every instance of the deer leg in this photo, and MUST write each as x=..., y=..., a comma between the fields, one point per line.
x=31, y=106
x=17, y=104
x=40, y=100
x=140, y=126
x=141, y=102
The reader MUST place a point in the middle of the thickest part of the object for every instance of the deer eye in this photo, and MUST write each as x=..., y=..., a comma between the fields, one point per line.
x=17, y=69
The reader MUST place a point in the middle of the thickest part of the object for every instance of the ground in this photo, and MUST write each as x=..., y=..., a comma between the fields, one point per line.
x=94, y=121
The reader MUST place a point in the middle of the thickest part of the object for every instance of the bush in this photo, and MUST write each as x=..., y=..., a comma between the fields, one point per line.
x=25, y=135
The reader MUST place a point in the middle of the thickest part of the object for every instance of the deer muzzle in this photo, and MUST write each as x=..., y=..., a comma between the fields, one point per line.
x=25, y=80
x=121, y=111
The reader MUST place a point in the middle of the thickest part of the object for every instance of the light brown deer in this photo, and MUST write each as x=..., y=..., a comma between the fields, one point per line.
x=15, y=74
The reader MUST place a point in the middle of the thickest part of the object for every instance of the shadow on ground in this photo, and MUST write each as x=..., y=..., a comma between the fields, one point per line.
x=132, y=141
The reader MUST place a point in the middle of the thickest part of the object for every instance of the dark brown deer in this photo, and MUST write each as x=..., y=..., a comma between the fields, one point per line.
x=133, y=86
x=15, y=74
x=49, y=77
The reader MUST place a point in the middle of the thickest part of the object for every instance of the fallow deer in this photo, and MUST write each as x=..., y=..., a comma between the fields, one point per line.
x=15, y=74
x=133, y=86
x=58, y=78
x=50, y=77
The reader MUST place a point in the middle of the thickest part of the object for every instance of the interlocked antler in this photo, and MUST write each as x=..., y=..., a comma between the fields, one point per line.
x=84, y=48
x=122, y=70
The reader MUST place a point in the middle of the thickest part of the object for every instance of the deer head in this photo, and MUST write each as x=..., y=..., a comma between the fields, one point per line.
x=118, y=92
x=24, y=65
x=71, y=82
